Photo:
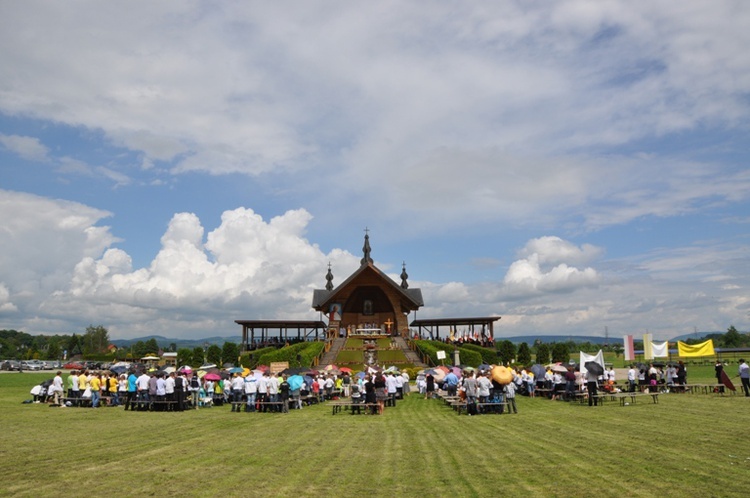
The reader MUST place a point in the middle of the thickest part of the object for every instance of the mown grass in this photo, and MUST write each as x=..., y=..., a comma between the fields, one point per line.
x=687, y=445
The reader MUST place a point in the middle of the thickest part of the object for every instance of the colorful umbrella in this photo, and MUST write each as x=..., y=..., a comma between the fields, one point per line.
x=212, y=376
x=295, y=382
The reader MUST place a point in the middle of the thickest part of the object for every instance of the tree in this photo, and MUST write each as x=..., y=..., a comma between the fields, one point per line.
x=230, y=352
x=95, y=340
x=184, y=357
x=560, y=352
x=53, y=350
x=523, y=356
x=213, y=354
x=506, y=351
x=152, y=347
x=732, y=339
x=198, y=357
x=542, y=353
x=173, y=347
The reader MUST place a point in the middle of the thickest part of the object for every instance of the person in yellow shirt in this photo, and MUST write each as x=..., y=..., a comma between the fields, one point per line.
x=95, y=385
x=114, y=398
x=83, y=384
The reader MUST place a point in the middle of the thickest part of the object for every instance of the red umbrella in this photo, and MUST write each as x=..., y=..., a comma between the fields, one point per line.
x=345, y=369
x=212, y=376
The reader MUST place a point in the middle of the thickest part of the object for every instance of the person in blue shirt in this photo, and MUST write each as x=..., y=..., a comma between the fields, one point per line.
x=129, y=402
x=450, y=383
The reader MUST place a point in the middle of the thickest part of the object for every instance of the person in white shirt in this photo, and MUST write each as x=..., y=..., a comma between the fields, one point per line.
x=161, y=392
x=238, y=389
x=390, y=384
x=142, y=387
x=631, y=378
x=399, y=387
x=251, y=388
x=169, y=390
x=57, y=388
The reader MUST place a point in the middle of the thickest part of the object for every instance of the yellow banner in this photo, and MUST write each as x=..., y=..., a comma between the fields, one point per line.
x=702, y=349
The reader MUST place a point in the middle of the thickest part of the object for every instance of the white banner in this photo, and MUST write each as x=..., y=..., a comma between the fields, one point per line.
x=660, y=350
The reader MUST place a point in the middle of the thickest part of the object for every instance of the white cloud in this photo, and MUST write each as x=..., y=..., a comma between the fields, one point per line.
x=29, y=148
x=499, y=113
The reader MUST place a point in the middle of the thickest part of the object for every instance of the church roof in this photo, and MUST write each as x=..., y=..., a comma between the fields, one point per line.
x=323, y=297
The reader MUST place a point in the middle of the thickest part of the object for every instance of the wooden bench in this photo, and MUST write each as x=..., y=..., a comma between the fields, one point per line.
x=337, y=405
x=503, y=405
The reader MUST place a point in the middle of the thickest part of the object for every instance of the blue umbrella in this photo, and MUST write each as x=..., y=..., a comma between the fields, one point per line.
x=295, y=382
x=236, y=370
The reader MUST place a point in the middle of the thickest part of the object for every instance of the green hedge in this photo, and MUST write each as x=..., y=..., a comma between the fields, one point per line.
x=306, y=350
x=430, y=348
x=489, y=356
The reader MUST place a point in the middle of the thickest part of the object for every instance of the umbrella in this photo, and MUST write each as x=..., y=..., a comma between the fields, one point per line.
x=594, y=367
x=212, y=376
x=295, y=382
x=502, y=375
x=484, y=367
x=168, y=370
x=346, y=369
x=246, y=372
x=236, y=370
x=150, y=358
x=206, y=367
x=361, y=375
x=120, y=369
x=559, y=368
x=331, y=367
x=538, y=370
x=202, y=373
x=185, y=369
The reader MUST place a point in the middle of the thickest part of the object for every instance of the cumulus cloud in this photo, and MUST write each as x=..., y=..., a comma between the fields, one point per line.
x=545, y=267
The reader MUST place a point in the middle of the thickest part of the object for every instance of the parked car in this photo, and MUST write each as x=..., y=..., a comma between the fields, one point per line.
x=10, y=365
x=73, y=365
x=30, y=365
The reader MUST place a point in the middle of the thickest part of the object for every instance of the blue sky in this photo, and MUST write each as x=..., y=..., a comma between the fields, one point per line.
x=170, y=168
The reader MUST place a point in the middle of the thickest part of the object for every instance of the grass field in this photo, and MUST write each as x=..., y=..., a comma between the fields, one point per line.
x=687, y=445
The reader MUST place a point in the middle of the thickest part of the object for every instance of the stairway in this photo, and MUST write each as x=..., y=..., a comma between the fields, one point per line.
x=412, y=356
x=330, y=356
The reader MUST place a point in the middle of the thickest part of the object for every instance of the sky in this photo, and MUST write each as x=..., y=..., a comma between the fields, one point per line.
x=577, y=168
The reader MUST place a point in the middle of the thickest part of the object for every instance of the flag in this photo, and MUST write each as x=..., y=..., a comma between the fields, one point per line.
x=648, y=350
x=661, y=350
x=702, y=349
x=629, y=351
x=598, y=358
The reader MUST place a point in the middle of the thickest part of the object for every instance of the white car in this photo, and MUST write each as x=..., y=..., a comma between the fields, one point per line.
x=30, y=365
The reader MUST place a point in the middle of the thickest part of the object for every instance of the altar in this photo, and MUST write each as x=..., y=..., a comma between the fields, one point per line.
x=368, y=331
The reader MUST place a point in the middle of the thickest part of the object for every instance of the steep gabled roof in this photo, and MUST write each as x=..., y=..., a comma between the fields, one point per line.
x=323, y=297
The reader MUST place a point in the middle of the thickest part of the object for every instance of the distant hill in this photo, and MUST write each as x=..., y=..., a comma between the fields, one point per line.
x=164, y=342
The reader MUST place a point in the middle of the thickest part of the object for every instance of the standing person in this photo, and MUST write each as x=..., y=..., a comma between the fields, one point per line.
x=83, y=384
x=328, y=386
x=719, y=369
x=251, y=388
x=370, y=395
x=69, y=383
x=169, y=382
x=113, y=390
x=346, y=383
x=681, y=374
x=180, y=382
x=273, y=391
x=57, y=388
x=510, y=396
x=132, y=390
x=381, y=391
x=429, y=386
x=390, y=385
x=450, y=383
x=263, y=391
x=405, y=386
x=195, y=387
x=95, y=384
x=399, y=387
x=744, y=371
x=470, y=388
x=161, y=392
x=484, y=387
x=591, y=387
x=142, y=386
x=284, y=394
x=631, y=378
x=75, y=391
x=238, y=389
